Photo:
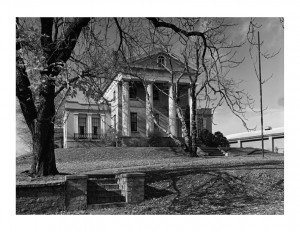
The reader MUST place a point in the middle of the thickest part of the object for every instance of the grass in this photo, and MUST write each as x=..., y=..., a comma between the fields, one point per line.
x=242, y=183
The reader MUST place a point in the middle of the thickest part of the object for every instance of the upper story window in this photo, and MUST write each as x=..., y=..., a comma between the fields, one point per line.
x=155, y=93
x=132, y=90
x=161, y=61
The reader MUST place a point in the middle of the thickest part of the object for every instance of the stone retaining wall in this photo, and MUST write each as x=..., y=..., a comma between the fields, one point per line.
x=40, y=198
x=71, y=194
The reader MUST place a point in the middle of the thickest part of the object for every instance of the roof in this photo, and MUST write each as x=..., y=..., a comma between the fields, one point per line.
x=155, y=52
x=279, y=130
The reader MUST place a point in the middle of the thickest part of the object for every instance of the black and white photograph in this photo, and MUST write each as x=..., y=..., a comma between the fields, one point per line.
x=120, y=114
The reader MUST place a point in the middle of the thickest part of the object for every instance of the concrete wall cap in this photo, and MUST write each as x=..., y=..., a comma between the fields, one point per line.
x=75, y=177
x=39, y=185
x=134, y=174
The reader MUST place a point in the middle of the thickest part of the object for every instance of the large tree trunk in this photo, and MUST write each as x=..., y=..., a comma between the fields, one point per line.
x=43, y=140
x=40, y=117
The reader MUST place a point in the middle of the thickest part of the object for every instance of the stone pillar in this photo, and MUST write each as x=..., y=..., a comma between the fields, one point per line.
x=149, y=105
x=271, y=143
x=76, y=192
x=89, y=125
x=239, y=143
x=172, y=112
x=125, y=109
x=76, y=123
x=132, y=187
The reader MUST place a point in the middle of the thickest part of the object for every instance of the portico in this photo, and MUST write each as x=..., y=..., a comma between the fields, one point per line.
x=143, y=106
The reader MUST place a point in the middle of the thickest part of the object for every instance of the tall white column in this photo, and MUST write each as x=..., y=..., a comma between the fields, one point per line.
x=191, y=109
x=76, y=123
x=125, y=109
x=66, y=114
x=149, y=105
x=172, y=112
x=102, y=124
x=89, y=125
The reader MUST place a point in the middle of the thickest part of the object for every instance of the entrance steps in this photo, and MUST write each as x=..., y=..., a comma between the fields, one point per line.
x=212, y=151
x=103, y=191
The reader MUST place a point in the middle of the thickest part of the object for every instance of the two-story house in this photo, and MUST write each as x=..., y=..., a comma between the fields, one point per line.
x=146, y=86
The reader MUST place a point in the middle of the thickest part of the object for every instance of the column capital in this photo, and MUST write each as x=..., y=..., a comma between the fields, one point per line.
x=124, y=81
x=149, y=82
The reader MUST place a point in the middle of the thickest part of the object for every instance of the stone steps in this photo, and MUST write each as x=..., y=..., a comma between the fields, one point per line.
x=106, y=205
x=211, y=151
x=103, y=190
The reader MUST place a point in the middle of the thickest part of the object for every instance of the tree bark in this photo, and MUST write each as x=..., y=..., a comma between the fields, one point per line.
x=184, y=130
x=43, y=140
x=40, y=117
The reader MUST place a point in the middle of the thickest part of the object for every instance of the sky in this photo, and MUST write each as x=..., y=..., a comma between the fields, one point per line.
x=272, y=35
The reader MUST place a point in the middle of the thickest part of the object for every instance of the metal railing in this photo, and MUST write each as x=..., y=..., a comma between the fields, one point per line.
x=88, y=136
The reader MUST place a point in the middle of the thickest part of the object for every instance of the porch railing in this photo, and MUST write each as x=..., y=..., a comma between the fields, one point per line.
x=88, y=136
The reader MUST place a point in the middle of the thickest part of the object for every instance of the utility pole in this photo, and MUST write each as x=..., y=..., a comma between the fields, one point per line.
x=261, y=106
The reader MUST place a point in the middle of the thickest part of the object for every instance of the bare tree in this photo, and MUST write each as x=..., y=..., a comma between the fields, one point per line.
x=51, y=45
x=254, y=41
x=56, y=58
x=207, y=54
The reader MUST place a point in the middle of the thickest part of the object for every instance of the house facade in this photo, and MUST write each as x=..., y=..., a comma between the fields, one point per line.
x=85, y=123
x=133, y=99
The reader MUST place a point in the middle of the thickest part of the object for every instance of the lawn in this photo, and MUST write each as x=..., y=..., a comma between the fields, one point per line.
x=242, y=183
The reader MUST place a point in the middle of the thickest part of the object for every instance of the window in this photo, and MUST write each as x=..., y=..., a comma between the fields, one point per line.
x=114, y=122
x=161, y=61
x=132, y=91
x=95, y=125
x=82, y=124
x=133, y=120
x=200, y=125
x=155, y=93
x=156, y=116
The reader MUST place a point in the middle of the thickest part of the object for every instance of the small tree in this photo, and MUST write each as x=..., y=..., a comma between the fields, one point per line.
x=221, y=140
x=207, y=138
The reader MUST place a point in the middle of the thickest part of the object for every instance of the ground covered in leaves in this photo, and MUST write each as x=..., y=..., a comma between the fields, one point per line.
x=255, y=190
x=242, y=183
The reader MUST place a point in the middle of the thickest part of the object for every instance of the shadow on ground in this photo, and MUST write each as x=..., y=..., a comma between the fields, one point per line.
x=216, y=192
